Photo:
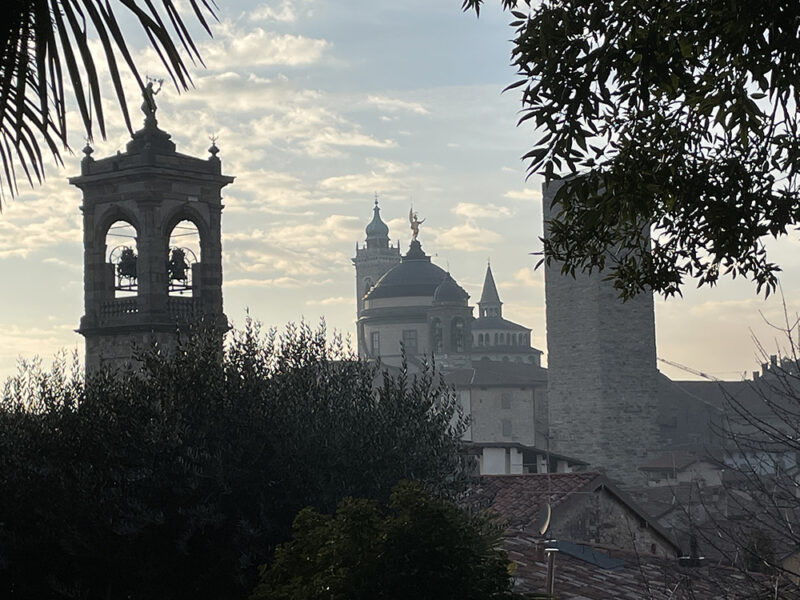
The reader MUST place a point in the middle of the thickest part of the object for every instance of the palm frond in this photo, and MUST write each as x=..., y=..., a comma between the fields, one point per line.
x=42, y=42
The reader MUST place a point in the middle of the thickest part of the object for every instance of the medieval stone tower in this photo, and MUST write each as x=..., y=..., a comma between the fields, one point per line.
x=602, y=375
x=152, y=247
x=372, y=260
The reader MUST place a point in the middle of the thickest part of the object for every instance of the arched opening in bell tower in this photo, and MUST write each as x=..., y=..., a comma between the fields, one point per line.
x=183, y=259
x=122, y=256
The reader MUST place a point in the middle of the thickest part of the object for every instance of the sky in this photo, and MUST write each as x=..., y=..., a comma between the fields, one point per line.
x=318, y=106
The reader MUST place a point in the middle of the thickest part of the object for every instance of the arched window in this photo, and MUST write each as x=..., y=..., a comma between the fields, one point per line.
x=437, y=336
x=502, y=339
x=480, y=339
x=123, y=255
x=182, y=254
x=457, y=334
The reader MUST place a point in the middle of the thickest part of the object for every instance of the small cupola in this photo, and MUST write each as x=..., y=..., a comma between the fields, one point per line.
x=377, y=231
x=449, y=292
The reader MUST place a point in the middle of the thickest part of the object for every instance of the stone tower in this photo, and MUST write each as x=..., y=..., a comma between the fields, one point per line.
x=602, y=375
x=372, y=260
x=144, y=291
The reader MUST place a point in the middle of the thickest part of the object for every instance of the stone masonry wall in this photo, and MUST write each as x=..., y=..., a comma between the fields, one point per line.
x=602, y=375
x=602, y=519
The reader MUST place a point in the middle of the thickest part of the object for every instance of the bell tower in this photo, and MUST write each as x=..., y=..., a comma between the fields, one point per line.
x=371, y=261
x=143, y=277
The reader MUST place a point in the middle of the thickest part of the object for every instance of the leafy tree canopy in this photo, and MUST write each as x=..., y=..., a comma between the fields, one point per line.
x=421, y=547
x=46, y=59
x=680, y=115
x=178, y=480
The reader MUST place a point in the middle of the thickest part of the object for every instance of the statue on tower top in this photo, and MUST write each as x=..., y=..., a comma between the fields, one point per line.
x=415, y=223
x=149, y=100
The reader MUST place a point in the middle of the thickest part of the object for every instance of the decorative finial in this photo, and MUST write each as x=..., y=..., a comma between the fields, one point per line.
x=415, y=223
x=376, y=198
x=213, y=150
x=149, y=101
x=87, y=149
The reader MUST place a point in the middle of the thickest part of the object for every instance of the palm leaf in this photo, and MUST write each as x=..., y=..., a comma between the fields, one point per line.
x=44, y=41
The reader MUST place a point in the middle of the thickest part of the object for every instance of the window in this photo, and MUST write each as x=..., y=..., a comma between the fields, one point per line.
x=437, y=336
x=506, y=427
x=505, y=400
x=410, y=341
x=375, y=343
x=458, y=335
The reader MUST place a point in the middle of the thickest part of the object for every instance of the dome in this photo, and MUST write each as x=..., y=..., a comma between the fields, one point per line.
x=416, y=275
x=377, y=228
x=449, y=292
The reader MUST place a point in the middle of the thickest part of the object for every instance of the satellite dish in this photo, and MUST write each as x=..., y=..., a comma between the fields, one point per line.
x=543, y=519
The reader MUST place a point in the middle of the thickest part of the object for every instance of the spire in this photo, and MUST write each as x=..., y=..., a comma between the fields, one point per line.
x=489, y=305
x=377, y=231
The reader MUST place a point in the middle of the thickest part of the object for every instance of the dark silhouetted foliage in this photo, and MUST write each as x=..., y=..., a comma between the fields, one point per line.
x=420, y=547
x=177, y=481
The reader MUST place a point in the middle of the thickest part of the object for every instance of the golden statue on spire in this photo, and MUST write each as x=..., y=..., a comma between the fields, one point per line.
x=415, y=223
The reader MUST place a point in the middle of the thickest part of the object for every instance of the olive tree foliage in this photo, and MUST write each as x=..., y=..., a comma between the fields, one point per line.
x=674, y=115
x=47, y=60
x=178, y=480
x=419, y=546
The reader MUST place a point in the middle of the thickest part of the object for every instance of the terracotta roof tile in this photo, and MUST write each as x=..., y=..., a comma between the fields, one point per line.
x=519, y=498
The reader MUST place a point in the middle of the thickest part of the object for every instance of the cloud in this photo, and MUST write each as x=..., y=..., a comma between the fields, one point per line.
x=331, y=301
x=524, y=194
x=309, y=129
x=481, y=211
x=525, y=277
x=344, y=228
x=467, y=238
x=18, y=340
x=282, y=12
x=278, y=282
x=359, y=183
x=234, y=48
x=63, y=264
x=45, y=216
x=396, y=105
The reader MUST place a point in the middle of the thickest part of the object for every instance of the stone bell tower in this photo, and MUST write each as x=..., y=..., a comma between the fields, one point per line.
x=371, y=261
x=141, y=287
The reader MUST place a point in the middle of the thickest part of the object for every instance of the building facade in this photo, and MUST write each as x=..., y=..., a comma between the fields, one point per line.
x=409, y=307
